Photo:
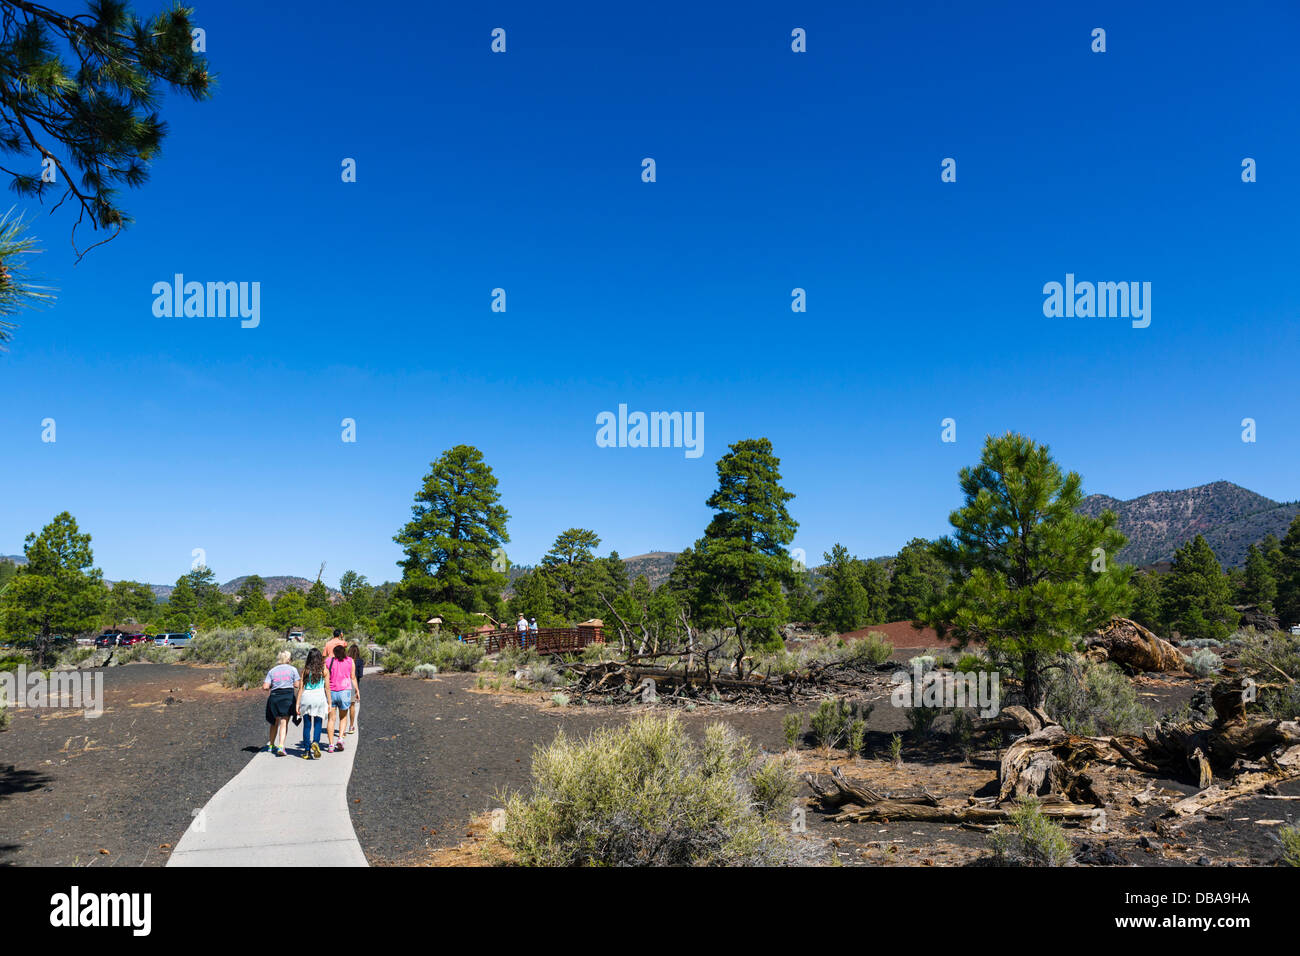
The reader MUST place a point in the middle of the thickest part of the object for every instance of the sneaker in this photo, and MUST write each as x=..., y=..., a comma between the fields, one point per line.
x=351, y=730
x=339, y=745
x=279, y=751
x=329, y=748
x=305, y=755
x=315, y=751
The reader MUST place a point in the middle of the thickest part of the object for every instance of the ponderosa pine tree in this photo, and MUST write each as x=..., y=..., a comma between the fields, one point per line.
x=1147, y=606
x=742, y=563
x=1258, y=585
x=58, y=593
x=917, y=578
x=1030, y=575
x=1287, y=571
x=451, y=542
x=79, y=94
x=1197, y=594
x=845, y=605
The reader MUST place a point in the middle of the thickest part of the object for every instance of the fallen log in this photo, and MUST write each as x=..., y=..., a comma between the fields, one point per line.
x=895, y=811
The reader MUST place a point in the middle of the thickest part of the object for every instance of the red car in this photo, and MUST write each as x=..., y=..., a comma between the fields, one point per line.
x=126, y=640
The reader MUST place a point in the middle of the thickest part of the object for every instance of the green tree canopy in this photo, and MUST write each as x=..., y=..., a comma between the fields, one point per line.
x=917, y=579
x=1197, y=594
x=58, y=593
x=741, y=565
x=456, y=529
x=1030, y=574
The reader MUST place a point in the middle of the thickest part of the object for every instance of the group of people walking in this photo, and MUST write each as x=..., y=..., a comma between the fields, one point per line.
x=328, y=689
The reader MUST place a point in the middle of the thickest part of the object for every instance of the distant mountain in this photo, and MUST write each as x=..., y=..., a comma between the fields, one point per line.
x=1230, y=517
x=276, y=583
x=15, y=558
x=655, y=565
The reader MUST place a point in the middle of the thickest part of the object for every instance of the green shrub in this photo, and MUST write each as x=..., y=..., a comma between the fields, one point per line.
x=858, y=738
x=73, y=657
x=830, y=724
x=645, y=794
x=792, y=729
x=896, y=750
x=425, y=671
x=560, y=699
x=224, y=645
x=1290, y=837
x=410, y=649
x=871, y=651
x=1030, y=839
x=542, y=674
x=925, y=662
x=1094, y=699
x=150, y=653
x=773, y=786
x=249, y=667
x=962, y=732
x=453, y=655
x=920, y=719
x=10, y=662
x=1264, y=655
x=971, y=663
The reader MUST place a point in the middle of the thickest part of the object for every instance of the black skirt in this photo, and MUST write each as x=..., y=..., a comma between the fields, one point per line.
x=280, y=704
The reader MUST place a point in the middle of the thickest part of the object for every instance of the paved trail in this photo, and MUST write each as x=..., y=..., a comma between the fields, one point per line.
x=278, y=811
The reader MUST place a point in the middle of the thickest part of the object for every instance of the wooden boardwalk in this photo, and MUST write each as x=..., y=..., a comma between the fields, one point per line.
x=547, y=640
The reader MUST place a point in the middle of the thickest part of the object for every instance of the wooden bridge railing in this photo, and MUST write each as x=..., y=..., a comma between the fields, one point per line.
x=547, y=640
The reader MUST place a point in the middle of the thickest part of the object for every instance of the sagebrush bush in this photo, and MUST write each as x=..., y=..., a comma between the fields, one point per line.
x=871, y=650
x=1030, y=839
x=74, y=656
x=924, y=661
x=1094, y=698
x=1267, y=654
x=250, y=665
x=425, y=671
x=1205, y=663
x=150, y=652
x=224, y=645
x=645, y=794
x=1290, y=839
x=542, y=674
x=409, y=649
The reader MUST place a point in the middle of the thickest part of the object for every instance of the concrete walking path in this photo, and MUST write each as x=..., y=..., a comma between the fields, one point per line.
x=278, y=811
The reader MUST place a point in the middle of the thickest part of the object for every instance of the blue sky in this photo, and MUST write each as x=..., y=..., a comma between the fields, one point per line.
x=775, y=170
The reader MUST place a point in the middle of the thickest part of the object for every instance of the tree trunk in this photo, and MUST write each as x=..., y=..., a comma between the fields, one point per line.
x=1035, y=686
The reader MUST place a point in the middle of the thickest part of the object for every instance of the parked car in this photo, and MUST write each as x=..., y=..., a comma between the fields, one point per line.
x=109, y=639
x=126, y=640
x=173, y=639
x=296, y=636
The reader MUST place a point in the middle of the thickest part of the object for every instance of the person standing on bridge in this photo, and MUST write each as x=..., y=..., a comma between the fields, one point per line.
x=532, y=630
x=521, y=627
